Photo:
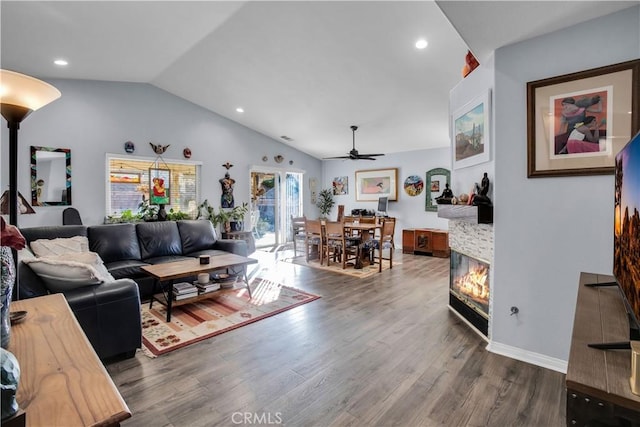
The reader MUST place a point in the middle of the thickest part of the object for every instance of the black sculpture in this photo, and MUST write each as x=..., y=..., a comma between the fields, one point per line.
x=481, y=197
x=446, y=196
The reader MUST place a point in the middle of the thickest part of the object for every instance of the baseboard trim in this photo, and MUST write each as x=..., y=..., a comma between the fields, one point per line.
x=528, y=356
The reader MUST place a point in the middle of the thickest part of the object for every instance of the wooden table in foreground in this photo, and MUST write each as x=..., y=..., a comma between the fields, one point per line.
x=597, y=381
x=62, y=381
x=170, y=271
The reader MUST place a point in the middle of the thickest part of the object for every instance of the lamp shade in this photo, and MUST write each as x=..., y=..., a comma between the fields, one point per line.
x=25, y=92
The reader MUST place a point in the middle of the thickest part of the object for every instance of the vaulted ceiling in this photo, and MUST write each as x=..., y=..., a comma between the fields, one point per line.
x=302, y=69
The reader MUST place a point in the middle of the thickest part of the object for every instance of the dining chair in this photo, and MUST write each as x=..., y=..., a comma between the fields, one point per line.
x=382, y=242
x=298, y=233
x=339, y=245
x=313, y=237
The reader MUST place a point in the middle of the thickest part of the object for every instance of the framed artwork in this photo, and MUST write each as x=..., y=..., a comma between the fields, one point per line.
x=159, y=186
x=413, y=185
x=376, y=183
x=577, y=123
x=340, y=185
x=471, y=132
x=435, y=179
x=124, y=178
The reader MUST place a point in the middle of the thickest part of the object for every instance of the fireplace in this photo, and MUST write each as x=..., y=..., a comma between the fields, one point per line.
x=469, y=289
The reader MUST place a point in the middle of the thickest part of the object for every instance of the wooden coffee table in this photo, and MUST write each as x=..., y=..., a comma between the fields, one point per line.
x=166, y=274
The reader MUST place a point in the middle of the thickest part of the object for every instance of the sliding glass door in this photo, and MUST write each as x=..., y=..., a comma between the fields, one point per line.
x=276, y=196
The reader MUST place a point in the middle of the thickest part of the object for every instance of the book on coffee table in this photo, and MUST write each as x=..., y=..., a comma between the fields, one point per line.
x=178, y=297
x=183, y=288
x=209, y=287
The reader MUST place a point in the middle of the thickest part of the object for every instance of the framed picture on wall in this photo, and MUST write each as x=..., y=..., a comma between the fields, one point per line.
x=471, y=132
x=577, y=123
x=340, y=185
x=376, y=183
x=159, y=186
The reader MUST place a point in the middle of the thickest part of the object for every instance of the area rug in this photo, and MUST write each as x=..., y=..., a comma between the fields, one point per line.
x=223, y=312
x=336, y=267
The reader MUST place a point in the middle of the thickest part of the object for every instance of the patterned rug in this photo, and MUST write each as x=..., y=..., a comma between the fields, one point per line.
x=227, y=310
x=336, y=267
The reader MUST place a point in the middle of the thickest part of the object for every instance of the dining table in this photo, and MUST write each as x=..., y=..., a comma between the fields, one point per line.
x=366, y=231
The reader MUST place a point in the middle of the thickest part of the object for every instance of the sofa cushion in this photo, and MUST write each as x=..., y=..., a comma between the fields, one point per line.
x=114, y=242
x=59, y=246
x=158, y=239
x=66, y=272
x=126, y=269
x=210, y=252
x=196, y=235
x=53, y=232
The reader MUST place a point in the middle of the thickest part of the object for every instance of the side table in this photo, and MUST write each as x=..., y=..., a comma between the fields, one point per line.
x=247, y=236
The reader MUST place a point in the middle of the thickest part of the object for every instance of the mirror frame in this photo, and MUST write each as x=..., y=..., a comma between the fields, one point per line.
x=34, y=174
x=429, y=206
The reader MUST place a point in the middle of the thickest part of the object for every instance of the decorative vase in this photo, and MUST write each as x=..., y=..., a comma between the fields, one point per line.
x=162, y=214
x=8, y=279
x=10, y=375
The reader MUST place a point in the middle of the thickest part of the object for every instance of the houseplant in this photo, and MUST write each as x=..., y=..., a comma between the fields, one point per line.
x=325, y=202
x=224, y=217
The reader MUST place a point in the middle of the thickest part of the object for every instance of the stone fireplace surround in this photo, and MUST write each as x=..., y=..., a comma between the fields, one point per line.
x=476, y=241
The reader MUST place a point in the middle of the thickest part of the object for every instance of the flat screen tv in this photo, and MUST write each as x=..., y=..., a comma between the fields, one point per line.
x=383, y=203
x=626, y=236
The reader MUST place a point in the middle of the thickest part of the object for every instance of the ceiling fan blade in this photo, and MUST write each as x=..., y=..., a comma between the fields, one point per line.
x=363, y=157
x=339, y=157
x=372, y=155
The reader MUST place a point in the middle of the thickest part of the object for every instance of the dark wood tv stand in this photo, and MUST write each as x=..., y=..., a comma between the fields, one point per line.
x=597, y=381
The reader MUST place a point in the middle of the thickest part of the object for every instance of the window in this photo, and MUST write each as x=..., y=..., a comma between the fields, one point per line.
x=128, y=184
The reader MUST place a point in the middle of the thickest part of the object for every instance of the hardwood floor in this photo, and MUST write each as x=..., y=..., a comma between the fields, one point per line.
x=384, y=351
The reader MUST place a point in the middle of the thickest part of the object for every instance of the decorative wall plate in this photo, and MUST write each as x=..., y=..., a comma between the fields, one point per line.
x=129, y=147
x=413, y=185
x=278, y=158
x=186, y=153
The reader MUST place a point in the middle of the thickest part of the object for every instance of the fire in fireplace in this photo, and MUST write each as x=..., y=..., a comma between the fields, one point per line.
x=470, y=289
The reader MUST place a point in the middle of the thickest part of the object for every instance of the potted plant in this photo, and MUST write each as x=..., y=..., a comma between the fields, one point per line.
x=224, y=217
x=325, y=202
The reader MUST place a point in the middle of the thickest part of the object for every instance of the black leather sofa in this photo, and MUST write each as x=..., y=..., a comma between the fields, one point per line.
x=109, y=313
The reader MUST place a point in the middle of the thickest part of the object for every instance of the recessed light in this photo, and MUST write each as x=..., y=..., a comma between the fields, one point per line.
x=240, y=110
x=61, y=62
x=421, y=44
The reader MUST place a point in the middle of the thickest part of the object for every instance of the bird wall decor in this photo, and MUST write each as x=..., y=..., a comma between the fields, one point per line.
x=159, y=149
x=228, y=165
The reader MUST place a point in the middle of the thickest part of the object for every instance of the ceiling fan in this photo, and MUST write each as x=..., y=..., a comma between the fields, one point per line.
x=353, y=154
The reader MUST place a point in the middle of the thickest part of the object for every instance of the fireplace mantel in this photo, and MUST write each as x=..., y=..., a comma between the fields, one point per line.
x=481, y=214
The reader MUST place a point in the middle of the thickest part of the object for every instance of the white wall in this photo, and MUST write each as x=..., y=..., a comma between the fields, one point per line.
x=95, y=117
x=408, y=210
x=548, y=230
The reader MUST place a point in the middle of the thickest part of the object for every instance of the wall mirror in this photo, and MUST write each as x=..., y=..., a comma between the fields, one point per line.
x=437, y=179
x=50, y=176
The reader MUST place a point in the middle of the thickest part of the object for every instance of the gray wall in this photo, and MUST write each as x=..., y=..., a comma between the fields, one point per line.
x=95, y=117
x=548, y=230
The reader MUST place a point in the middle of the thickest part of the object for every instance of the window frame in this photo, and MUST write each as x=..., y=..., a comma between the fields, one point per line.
x=113, y=156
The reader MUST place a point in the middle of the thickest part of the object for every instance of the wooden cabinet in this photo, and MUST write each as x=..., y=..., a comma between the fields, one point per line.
x=598, y=389
x=425, y=241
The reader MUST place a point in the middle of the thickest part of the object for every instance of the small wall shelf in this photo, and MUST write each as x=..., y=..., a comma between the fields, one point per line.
x=481, y=214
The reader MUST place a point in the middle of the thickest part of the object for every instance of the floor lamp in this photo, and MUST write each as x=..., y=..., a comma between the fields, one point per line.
x=19, y=96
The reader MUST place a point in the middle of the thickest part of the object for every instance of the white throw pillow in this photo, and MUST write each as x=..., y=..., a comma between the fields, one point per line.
x=70, y=271
x=59, y=246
